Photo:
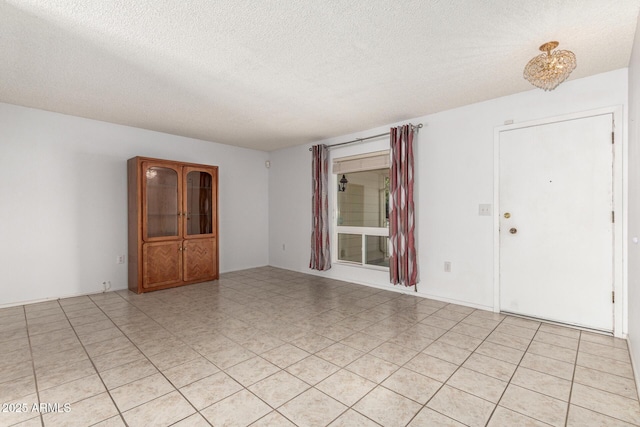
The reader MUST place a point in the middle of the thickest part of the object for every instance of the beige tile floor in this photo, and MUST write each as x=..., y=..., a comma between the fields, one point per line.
x=269, y=347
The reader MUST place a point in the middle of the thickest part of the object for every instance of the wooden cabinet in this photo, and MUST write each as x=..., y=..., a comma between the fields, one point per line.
x=173, y=223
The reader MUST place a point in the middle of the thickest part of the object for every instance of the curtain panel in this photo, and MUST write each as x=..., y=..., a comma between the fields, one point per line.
x=320, y=253
x=403, y=264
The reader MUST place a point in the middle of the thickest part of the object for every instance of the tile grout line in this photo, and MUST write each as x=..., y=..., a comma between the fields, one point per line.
x=575, y=365
x=218, y=367
x=146, y=357
x=280, y=369
x=92, y=362
x=513, y=374
x=275, y=409
x=524, y=352
x=403, y=365
x=378, y=384
x=595, y=388
x=356, y=331
x=33, y=363
x=313, y=386
x=423, y=406
x=87, y=353
x=250, y=291
x=388, y=341
x=573, y=377
x=201, y=355
x=457, y=369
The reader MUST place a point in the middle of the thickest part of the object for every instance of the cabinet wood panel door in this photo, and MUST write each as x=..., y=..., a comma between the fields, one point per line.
x=162, y=263
x=198, y=256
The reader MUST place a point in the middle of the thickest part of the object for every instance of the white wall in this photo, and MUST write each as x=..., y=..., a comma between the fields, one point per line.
x=633, y=207
x=63, y=211
x=454, y=161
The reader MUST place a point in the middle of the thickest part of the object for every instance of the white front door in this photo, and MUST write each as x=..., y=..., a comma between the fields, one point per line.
x=556, y=231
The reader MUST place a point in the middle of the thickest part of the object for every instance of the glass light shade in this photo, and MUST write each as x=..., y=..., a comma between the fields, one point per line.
x=549, y=69
x=151, y=173
x=342, y=186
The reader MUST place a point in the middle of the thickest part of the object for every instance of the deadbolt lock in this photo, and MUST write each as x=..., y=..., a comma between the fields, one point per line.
x=507, y=215
x=513, y=230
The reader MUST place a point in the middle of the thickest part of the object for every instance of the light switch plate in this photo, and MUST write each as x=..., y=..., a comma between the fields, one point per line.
x=484, y=210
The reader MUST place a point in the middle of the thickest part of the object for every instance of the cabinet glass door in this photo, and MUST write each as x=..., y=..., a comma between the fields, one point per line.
x=161, y=206
x=199, y=201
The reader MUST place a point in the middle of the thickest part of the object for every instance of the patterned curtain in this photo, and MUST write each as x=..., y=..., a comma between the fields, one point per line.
x=403, y=264
x=320, y=255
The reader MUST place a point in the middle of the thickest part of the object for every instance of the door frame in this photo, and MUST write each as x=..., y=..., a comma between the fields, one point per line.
x=619, y=201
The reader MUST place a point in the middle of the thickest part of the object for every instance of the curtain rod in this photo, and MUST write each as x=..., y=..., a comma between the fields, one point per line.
x=418, y=126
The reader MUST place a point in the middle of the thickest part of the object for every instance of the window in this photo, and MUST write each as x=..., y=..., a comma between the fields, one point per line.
x=362, y=210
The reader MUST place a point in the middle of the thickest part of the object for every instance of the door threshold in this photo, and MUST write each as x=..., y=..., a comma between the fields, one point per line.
x=556, y=323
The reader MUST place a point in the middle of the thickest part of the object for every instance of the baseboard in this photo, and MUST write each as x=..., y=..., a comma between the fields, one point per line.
x=634, y=365
x=36, y=301
x=399, y=289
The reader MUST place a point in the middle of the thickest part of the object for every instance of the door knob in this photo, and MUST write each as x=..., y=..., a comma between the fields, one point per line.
x=513, y=230
x=507, y=215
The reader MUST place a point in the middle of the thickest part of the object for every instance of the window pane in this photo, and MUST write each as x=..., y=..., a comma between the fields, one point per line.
x=199, y=200
x=350, y=247
x=162, y=202
x=365, y=199
x=377, y=250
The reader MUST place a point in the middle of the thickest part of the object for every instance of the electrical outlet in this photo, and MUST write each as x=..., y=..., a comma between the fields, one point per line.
x=447, y=266
x=120, y=259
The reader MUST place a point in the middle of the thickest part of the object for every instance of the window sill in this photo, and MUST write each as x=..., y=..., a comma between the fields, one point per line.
x=359, y=265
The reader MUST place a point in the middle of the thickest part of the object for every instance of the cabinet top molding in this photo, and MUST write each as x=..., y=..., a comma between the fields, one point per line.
x=174, y=162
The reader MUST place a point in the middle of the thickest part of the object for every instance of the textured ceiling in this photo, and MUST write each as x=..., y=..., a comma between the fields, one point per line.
x=273, y=74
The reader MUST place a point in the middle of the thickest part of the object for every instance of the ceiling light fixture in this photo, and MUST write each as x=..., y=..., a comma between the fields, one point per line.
x=549, y=69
